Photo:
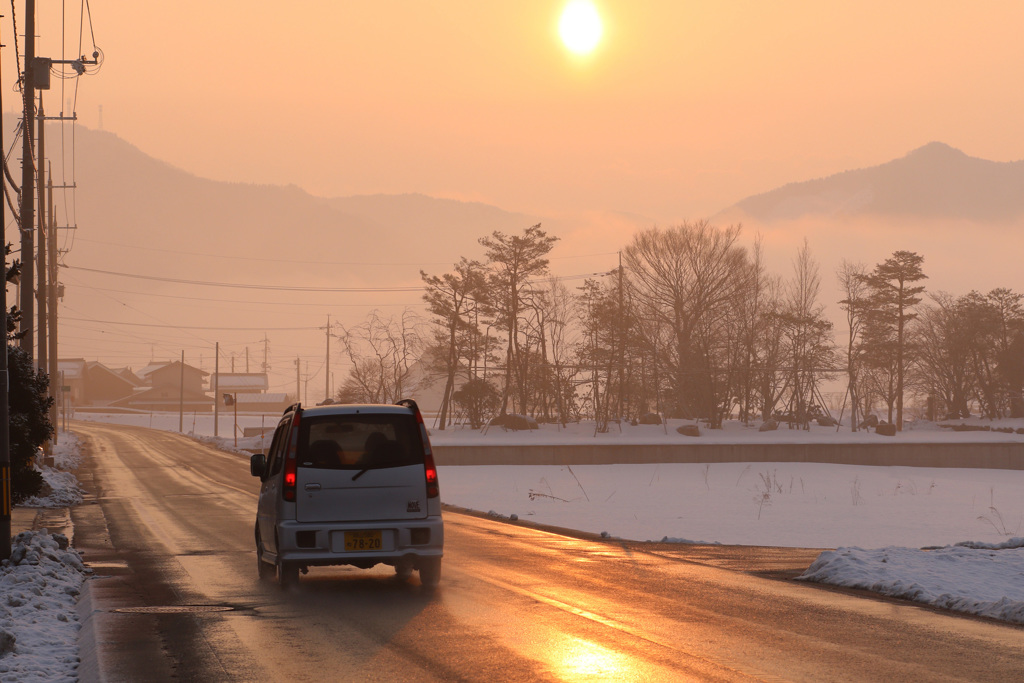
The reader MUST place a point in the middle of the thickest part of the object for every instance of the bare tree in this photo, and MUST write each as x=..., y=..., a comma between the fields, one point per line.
x=687, y=278
x=807, y=335
x=452, y=298
x=382, y=351
x=852, y=283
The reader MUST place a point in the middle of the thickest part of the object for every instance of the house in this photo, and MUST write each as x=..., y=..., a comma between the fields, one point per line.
x=91, y=383
x=249, y=390
x=239, y=382
x=169, y=387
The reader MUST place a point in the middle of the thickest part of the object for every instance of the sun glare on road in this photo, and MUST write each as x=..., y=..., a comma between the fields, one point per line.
x=580, y=26
x=579, y=659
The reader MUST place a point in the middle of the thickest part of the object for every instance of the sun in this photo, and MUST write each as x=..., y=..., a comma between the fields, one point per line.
x=580, y=26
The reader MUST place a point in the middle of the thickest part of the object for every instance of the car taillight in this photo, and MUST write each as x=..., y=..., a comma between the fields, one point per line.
x=291, y=461
x=433, y=490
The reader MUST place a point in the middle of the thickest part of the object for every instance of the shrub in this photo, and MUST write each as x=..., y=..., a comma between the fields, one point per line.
x=30, y=426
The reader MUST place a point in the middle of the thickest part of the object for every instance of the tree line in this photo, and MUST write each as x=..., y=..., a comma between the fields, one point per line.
x=691, y=325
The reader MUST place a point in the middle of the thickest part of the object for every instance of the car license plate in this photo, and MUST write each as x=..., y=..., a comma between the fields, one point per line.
x=356, y=541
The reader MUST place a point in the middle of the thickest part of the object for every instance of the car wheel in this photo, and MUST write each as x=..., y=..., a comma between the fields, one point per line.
x=430, y=572
x=287, y=574
x=263, y=568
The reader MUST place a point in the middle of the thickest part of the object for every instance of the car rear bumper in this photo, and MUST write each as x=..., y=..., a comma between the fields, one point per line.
x=324, y=544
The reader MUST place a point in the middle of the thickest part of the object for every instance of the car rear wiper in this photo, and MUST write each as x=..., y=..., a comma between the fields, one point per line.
x=360, y=473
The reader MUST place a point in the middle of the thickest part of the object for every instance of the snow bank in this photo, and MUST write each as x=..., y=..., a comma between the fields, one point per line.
x=39, y=586
x=977, y=578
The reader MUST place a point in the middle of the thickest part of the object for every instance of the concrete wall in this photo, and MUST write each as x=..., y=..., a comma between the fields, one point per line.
x=1007, y=456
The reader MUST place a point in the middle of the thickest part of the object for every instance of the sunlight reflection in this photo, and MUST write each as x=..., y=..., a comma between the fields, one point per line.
x=582, y=660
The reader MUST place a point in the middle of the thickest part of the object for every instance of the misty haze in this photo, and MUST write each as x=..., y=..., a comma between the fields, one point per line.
x=689, y=341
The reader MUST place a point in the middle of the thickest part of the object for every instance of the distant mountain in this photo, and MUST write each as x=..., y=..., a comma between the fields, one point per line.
x=126, y=197
x=934, y=181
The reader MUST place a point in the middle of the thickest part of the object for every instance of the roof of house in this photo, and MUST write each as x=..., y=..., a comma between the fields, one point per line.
x=241, y=380
x=126, y=376
x=145, y=372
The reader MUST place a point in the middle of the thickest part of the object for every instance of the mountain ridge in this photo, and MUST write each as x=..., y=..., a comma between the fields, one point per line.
x=929, y=182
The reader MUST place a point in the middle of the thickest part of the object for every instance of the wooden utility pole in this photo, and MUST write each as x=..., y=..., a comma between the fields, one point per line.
x=298, y=381
x=327, y=375
x=5, y=423
x=181, y=395
x=28, y=192
x=216, y=388
x=56, y=387
x=41, y=270
x=623, y=330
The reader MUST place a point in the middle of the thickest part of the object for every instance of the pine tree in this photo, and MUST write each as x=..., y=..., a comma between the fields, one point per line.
x=893, y=297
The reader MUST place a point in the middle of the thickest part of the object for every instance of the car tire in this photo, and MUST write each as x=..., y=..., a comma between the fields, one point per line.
x=287, y=574
x=264, y=569
x=430, y=572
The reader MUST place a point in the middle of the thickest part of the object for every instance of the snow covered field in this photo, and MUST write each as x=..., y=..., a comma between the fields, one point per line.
x=945, y=537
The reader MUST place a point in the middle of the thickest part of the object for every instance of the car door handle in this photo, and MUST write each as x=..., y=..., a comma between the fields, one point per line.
x=312, y=487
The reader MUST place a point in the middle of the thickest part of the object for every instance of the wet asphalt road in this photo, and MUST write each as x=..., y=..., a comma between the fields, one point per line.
x=168, y=529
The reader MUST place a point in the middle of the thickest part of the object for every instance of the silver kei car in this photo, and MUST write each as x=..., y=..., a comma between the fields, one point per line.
x=349, y=484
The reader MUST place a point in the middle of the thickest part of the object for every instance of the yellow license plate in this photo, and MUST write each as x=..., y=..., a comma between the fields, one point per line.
x=356, y=541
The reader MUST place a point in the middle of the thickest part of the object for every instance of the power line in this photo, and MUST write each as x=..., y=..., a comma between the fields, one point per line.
x=243, y=301
x=296, y=288
x=189, y=327
x=302, y=262
x=275, y=288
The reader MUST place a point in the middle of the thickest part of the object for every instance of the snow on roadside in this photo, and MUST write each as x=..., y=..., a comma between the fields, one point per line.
x=39, y=586
x=977, y=578
x=60, y=486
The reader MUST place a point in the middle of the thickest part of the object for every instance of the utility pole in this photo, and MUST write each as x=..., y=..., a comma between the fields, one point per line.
x=41, y=271
x=56, y=387
x=216, y=388
x=624, y=327
x=298, y=382
x=327, y=375
x=247, y=360
x=181, y=395
x=27, y=181
x=5, y=422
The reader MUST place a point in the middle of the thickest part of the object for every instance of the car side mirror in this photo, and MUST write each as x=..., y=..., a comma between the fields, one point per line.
x=258, y=465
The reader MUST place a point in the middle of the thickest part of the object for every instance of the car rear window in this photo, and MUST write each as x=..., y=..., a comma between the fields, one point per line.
x=359, y=442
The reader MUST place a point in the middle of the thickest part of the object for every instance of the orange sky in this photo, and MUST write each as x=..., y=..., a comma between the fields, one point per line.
x=685, y=107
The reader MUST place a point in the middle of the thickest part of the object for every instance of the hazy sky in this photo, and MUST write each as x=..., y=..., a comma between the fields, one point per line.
x=683, y=109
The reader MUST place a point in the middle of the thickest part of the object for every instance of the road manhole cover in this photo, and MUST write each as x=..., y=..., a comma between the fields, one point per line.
x=174, y=609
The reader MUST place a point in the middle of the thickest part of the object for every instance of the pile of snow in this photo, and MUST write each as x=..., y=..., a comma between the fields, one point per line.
x=978, y=578
x=39, y=586
x=60, y=486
